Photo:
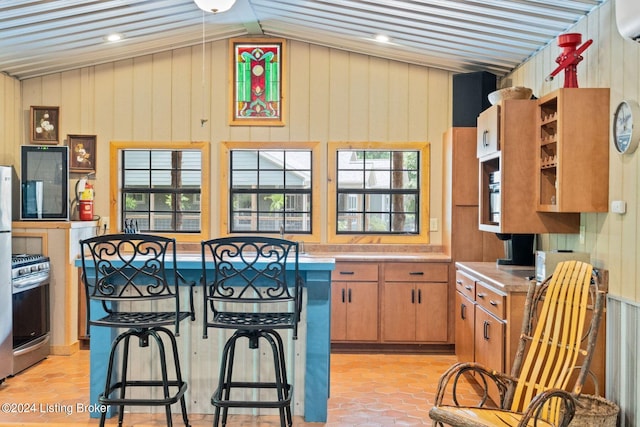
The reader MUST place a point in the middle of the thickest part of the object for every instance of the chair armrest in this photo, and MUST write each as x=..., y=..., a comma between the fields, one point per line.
x=544, y=402
x=453, y=374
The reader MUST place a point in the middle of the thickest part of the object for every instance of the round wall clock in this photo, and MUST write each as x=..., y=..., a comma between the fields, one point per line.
x=626, y=127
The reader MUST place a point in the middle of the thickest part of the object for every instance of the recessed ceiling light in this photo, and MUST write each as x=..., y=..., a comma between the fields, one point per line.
x=115, y=37
x=382, y=38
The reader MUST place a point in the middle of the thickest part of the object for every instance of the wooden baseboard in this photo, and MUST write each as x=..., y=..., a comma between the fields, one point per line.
x=65, y=350
x=392, y=348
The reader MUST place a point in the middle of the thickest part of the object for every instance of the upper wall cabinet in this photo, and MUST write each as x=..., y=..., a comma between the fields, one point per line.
x=573, y=147
x=488, y=131
x=508, y=173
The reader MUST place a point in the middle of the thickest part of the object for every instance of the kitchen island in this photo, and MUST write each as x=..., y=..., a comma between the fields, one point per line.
x=307, y=359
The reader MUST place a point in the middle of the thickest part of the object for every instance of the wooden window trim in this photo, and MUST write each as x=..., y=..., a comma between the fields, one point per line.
x=227, y=146
x=422, y=237
x=116, y=169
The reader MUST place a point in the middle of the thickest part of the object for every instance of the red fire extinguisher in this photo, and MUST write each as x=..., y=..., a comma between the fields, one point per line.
x=85, y=204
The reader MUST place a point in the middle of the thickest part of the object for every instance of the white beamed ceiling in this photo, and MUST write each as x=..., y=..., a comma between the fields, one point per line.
x=39, y=37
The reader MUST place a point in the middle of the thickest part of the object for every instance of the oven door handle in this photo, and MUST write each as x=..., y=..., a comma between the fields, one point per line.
x=33, y=346
x=21, y=287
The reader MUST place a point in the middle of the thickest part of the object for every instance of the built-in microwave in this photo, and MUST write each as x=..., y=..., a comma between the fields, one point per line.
x=44, y=182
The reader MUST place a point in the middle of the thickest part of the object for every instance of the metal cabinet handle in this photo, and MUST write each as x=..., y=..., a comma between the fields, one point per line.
x=419, y=296
x=416, y=273
x=493, y=303
x=463, y=311
x=485, y=331
x=480, y=295
x=459, y=282
x=343, y=296
x=485, y=138
x=413, y=296
x=468, y=287
x=346, y=272
x=349, y=296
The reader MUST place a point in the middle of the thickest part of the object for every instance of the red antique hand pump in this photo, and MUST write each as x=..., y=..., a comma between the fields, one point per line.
x=570, y=57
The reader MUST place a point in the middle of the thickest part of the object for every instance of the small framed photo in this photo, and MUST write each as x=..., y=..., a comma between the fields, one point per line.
x=44, y=124
x=82, y=153
x=257, y=70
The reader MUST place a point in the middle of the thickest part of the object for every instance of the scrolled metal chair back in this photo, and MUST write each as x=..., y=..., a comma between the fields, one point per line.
x=250, y=269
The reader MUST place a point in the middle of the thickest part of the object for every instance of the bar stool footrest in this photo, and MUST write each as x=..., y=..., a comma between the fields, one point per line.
x=127, y=401
x=219, y=402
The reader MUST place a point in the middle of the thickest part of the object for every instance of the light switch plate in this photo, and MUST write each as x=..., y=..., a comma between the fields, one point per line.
x=433, y=224
x=619, y=206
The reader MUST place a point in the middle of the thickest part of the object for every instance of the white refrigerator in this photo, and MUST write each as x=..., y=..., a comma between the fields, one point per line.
x=6, y=313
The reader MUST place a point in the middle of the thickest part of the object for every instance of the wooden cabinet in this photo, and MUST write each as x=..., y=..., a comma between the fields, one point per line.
x=465, y=318
x=415, y=305
x=385, y=303
x=498, y=295
x=515, y=166
x=465, y=241
x=354, y=302
x=573, y=151
x=488, y=135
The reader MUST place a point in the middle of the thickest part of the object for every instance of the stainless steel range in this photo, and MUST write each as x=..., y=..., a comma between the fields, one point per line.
x=31, y=310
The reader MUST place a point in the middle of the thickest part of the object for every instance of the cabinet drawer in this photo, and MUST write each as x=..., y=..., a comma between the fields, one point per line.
x=416, y=272
x=490, y=300
x=355, y=271
x=466, y=285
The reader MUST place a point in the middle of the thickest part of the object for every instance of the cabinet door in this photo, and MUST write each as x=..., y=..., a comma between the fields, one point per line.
x=362, y=311
x=431, y=312
x=338, y=311
x=465, y=323
x=399, y=312
x=489, y=345
x=488, y=139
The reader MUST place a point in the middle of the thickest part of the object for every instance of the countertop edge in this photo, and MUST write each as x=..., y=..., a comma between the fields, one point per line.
x=502, y=278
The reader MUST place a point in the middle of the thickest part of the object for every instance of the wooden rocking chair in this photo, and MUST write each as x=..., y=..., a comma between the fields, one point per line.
x=553, y=337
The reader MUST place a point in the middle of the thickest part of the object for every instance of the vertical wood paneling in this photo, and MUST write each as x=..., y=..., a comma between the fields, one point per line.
x=339, y=99
x=161, y=75
x=399, y=95
x=181, y=95
x=123, y=100
x=611, y=62
x=333, y=95
x=11, y=122
x=359, y=98
x=142, y=96
x=380, y=111
x=299, y=92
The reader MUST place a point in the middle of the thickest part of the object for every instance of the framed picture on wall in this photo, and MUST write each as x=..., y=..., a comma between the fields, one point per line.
x=82, y=153
x=257, y=70
x=43, y=124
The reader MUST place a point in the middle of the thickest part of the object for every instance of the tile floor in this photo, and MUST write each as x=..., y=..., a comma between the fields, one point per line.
x=367, y=390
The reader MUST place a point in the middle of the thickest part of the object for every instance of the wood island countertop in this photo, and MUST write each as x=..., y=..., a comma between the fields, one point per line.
x=505, y=278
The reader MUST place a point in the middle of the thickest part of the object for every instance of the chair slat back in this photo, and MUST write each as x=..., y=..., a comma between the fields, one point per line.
x=557, y=340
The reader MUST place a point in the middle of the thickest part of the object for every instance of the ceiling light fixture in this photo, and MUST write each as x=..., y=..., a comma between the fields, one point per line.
x=382, y=38
x=215, y=6
x=115, y=37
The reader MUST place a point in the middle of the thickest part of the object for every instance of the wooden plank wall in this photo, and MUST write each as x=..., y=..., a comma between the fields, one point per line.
x=332, y=95
x=613, y=62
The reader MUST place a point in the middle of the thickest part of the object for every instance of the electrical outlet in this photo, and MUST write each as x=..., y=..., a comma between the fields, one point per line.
x=103, y=224
x=433, y=224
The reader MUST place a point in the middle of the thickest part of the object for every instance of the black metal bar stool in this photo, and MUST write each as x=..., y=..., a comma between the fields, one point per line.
x=127, y=272
x=251, y=285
